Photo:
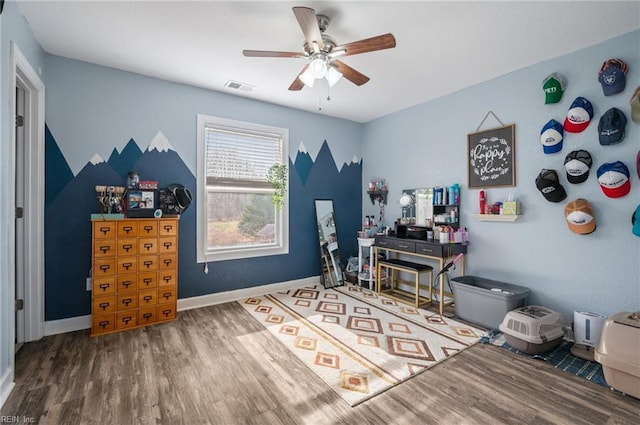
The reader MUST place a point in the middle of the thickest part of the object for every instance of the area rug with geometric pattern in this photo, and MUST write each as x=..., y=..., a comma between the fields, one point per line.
x=360, y=343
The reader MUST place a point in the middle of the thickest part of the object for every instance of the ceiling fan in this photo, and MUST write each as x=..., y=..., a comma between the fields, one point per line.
x=321, y=52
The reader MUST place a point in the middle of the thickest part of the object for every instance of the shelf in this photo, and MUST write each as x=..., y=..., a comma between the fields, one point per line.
x=378, y=195
x=496, y=217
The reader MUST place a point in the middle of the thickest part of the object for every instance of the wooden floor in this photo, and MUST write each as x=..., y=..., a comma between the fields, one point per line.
x=216, y=365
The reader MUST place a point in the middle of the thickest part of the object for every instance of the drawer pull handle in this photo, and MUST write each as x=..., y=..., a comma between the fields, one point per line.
x=166, y=278
x=127, y=229
x=147, y=316
x=105, y=249
x=105, y=230
x=103, y=324
x=148, y=246
x=126, y=301
x=148, y=229
x=105, y=267
x=147, y=280
x=148, y=263
x=167, y=261
x=126, y=319
x=168, y=228
x=104, y=286
x=104, y=305
x=127, y=247
x=166, y=295
x=403, y=246
x=127, y=265
x=167, y=245
x=126, y=283
x=147, y=298
x=166, y=312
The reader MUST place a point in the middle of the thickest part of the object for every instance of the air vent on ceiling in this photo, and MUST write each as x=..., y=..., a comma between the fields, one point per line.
x=236, y=85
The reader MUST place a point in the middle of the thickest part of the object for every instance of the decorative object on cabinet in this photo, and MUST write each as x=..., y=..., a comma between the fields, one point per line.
x=140, y=203
x=331, y=273
x=134, y=273
x=174, y=199
x=491, y=156
x=110, y=199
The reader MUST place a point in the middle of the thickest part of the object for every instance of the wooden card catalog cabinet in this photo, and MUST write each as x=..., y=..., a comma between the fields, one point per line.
x=134, y=273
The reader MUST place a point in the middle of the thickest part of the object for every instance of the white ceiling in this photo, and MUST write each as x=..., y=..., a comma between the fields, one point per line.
x=442, y=47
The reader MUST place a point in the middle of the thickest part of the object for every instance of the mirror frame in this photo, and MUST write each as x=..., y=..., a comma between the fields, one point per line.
x=331, y=273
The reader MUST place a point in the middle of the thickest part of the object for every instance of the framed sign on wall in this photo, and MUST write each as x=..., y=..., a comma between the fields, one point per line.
x=492, y=157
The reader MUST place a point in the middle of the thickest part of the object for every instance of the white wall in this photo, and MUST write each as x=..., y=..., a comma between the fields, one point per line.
x=13, y=28
x=426, y=146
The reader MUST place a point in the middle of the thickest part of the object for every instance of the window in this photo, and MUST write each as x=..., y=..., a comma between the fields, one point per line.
x=236, y=218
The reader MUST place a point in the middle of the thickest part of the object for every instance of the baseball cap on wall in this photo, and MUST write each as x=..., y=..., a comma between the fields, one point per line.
x=635, y=106
x=551, y=137
x=579, y=115
x=635, y=221
x=548, y=183
x=613, y=76
x=611, y=128
x=578, y=163
x=613, y=178
x=553, y=87
x=580, y=217
x=638, y=164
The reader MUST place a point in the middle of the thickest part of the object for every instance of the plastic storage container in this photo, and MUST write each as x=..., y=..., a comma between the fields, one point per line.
x=533, y=329
x=485, y=301
x=619, y=352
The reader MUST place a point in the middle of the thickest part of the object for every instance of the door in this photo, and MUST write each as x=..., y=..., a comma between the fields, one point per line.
x=19, y=215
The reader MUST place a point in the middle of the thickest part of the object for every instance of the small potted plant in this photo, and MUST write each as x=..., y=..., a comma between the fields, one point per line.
x=277, y=176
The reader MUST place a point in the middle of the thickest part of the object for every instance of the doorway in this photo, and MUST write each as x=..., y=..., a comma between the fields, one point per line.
x=27, y=101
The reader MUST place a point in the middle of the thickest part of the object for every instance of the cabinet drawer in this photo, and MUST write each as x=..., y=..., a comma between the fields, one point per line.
x=105, y=304
x=168, y=244
x=147, y=263
x=103, y=323
x=127, y=246
x=103, y=285
x=147, y=298
x=127, y=301
x=167, y=261
x=148, y=228
x=166, y=312
x=386, y=243
x=167, y=277
x=127, y=264
x=408, y=246
x=104, y=248
x=104, y=229
x=127, y=229
x=434, y=250
x=147, y=280
x=104, y=267
x=127, y=282
x=146, y=316
x=168, y=228
x=126, y=319
x=166, y=294
x=148, y=246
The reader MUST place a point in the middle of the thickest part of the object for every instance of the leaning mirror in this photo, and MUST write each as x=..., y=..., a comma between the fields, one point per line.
x=331, y=268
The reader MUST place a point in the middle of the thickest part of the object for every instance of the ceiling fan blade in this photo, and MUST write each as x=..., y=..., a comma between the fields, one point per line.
x=271, y=54
x=380, y=42
x=297, y=83
x=309, y=24
x=350, y=74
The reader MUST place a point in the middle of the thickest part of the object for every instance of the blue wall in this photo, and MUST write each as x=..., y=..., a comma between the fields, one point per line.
x=599, y=272
x=95, y=110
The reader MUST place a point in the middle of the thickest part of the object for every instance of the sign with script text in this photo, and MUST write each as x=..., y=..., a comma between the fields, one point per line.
x=492, y=157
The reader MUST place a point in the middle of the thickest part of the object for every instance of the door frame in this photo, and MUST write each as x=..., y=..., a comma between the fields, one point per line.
x=21, y=71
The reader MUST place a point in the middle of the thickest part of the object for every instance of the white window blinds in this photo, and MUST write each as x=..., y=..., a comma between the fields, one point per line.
x=237, y=157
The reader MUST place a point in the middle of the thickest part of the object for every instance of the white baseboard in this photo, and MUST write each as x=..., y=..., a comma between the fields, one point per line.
x=6, y=385
x=54, y=327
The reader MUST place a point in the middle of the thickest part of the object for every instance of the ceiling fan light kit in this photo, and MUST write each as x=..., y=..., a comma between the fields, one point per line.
x=321, y=52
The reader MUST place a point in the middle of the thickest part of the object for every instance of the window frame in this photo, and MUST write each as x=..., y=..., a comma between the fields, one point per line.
x=203, y=254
